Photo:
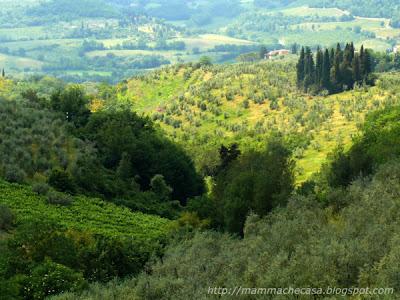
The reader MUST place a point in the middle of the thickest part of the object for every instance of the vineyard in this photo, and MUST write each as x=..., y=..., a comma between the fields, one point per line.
x=84, y=214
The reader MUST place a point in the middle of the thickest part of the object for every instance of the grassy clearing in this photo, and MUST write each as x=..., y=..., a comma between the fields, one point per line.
x=309, y=11
x=208, y=41
x=14, y=62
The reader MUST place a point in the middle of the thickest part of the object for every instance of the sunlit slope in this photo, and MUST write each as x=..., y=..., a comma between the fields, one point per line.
x=204, y=107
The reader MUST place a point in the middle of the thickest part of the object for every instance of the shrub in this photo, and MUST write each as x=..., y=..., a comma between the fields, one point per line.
x=6, y=218
x=14, y=174
x=57, y=198
x=50, y=278
x=61, y=180
x=41, y=188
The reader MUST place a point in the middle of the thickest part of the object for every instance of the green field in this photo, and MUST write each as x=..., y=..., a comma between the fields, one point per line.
x=86, y=214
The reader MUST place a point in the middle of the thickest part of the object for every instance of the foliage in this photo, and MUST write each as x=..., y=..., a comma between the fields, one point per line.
x=255, y=182
x=72, y=102
x=377, y=145
x=7, y=218
x=57, y=198
x=88, y=240
x=50, y=278
x=303, y=245
x=334, y=70
x=117, y=134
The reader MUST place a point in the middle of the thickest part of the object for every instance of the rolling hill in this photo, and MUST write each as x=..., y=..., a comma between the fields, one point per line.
x=204, y=107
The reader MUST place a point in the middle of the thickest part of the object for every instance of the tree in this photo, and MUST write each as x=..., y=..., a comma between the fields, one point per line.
x=124, y=170
x=205, y=61
x=257, y=181
x=160, y=187
x=263, y=52
x=309, y=69
x=73, y=103
x=336, y=77
x=319, y=68
x=295, y=48
x=227, y=156
x=121, y=136
x=300, y=67
x=356, y=69
x=326, y=68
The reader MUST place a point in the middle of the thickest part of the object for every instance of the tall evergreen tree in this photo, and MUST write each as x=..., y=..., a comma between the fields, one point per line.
x=367, y=62
x=336, y=77
x=326, y=69
x=332, y=57
x=362, y=55
x=309, y=69
x=346, y=66
x=319, y=68
x=356, y=70
x=300, y=68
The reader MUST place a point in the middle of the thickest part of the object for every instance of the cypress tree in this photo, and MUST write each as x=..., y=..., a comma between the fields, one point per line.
x=356, y=71
x=367, y=63
x=346, y=67
x=332, y=56
x=352, y=51
x=326, y=69
x=309, y=70
x=300, y=68
x=336, y=77
x=362, y=67
x=319, y=68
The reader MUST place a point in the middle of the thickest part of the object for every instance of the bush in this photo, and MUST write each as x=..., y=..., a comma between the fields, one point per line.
x=57, y=198
x=61, y=180
x=6, y=218
x=14, y=174
x=41, y=188
x=50, y=278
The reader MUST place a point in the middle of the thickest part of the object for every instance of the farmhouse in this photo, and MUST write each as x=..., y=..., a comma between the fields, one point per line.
x=274, y=53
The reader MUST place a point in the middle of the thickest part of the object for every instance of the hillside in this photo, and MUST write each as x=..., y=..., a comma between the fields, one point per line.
x=202, y=108
x=85, y=214
x=301, y=245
